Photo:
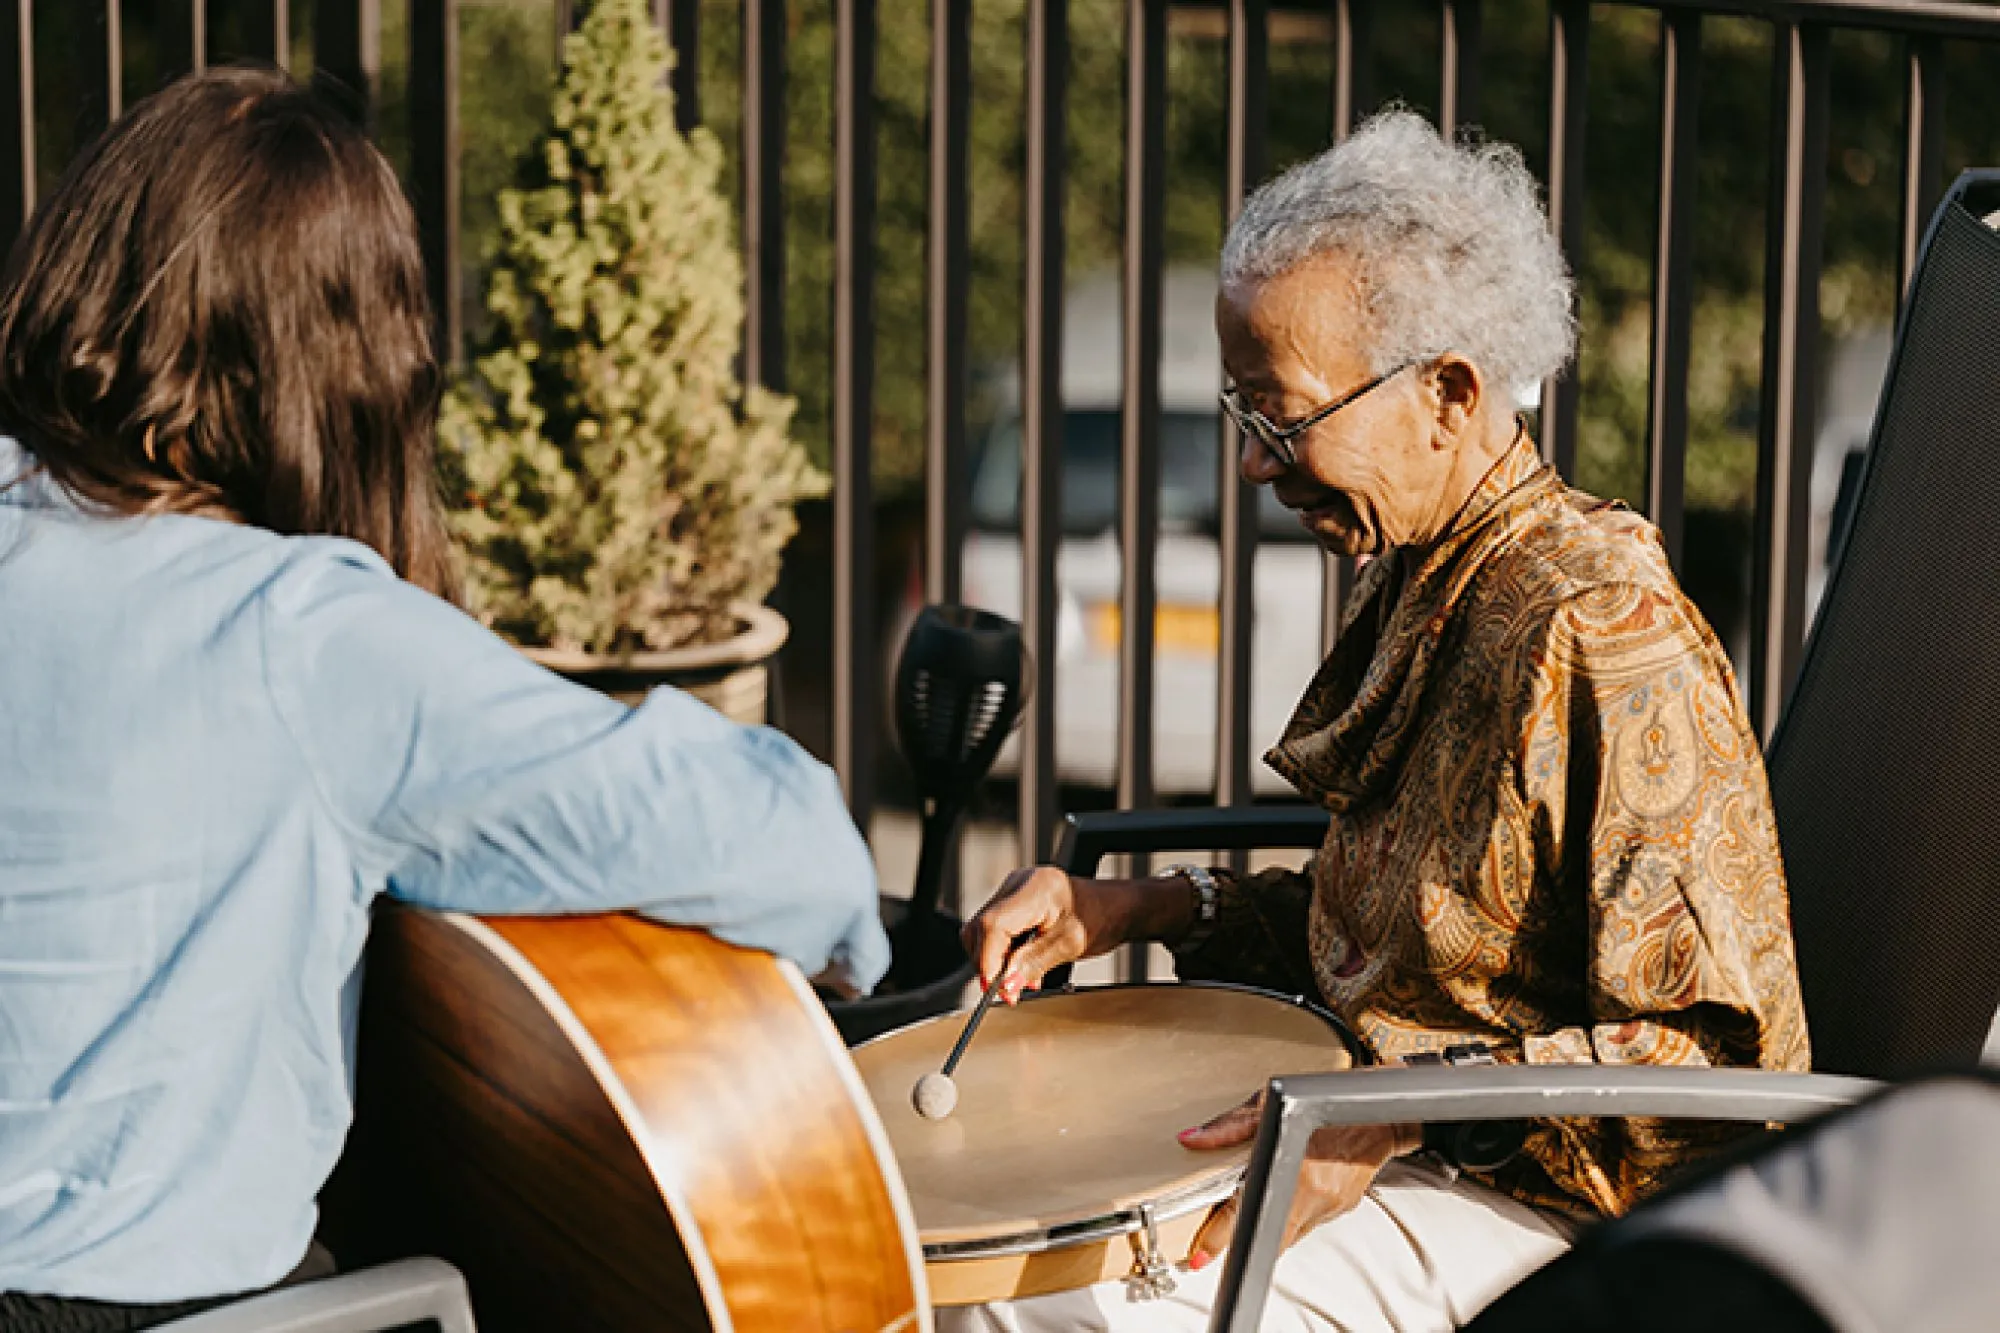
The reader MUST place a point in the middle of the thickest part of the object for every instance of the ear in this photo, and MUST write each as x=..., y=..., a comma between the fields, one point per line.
x=1459, y=387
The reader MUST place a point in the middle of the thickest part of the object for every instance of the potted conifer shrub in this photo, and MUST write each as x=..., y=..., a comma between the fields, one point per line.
x=620, y=499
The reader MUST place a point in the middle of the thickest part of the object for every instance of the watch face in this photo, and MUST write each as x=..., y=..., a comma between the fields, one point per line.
x=1488, y=1145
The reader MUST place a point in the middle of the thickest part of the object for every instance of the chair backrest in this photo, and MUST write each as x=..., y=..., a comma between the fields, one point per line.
x=1885, y=769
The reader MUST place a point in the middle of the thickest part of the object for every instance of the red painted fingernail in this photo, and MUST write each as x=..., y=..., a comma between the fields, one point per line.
x=1187, y=1134
x=1197, y=1261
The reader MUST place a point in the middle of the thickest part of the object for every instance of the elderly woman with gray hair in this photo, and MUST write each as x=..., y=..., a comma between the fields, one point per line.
x=1552, y=840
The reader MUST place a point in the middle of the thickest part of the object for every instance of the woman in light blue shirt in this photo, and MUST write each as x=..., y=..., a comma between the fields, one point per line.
x=237, y=705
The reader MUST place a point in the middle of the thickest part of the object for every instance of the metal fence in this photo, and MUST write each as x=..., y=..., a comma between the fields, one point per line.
x=347, y=46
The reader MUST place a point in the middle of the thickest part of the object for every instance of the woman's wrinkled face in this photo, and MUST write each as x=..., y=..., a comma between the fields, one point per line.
x=1375, y=474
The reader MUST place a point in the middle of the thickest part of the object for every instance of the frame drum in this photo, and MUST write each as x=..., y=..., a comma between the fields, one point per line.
x=1060, y=1166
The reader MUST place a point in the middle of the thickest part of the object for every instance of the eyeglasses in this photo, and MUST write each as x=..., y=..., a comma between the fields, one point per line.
x=1278, y=438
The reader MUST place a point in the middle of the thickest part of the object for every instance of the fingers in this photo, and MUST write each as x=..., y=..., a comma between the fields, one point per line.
x=1034, y=901
x=1218, y=1232
x=1317, y=1201
x=1215, y=1233
x=1236, y=1125
x=984, y=936
x=1326, y=1189
x=1307, y=1212
x=1057, y=943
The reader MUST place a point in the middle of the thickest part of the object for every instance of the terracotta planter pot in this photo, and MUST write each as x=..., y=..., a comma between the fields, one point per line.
x=733, y=676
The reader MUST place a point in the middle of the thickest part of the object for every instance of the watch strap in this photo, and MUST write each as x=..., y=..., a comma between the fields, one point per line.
x=1207, y=904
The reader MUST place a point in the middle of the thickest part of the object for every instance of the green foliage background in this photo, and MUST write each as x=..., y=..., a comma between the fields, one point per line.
x=501, y=47
x=508, y=58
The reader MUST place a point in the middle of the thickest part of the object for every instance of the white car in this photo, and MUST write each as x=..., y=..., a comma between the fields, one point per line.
x=1285, y=628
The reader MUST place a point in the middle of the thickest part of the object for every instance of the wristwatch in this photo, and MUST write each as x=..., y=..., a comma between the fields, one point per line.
x=1477, y=1145
x=1470, y=1145
x=1207, y=904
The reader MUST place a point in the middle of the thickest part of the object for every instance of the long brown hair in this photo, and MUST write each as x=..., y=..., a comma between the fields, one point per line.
x=221, y=310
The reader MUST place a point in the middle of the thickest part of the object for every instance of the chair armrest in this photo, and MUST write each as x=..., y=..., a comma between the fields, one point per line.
x=1379, y=1095
x=1295, y=1107
x=408, y=1291
x=1088, y=839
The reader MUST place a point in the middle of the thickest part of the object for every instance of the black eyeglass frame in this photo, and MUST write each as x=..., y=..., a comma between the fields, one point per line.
x=1278, y=439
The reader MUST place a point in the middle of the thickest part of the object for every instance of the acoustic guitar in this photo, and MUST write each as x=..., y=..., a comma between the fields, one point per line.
x=613, y=1126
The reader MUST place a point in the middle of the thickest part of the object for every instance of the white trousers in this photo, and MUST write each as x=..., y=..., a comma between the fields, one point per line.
x=1421, y=1253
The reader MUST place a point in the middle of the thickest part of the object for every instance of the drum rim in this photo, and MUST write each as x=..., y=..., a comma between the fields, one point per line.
x=1124, y=1221
x=1357, y=1050
x=1090, y=1231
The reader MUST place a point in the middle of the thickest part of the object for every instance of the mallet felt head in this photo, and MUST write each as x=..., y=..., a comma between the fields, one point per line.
x=934, y=1096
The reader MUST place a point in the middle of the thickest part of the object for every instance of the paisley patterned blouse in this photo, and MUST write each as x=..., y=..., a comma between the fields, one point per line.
x=1551, y=827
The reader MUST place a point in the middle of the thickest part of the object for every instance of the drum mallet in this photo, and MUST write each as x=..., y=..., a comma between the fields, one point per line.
x=936, y=1095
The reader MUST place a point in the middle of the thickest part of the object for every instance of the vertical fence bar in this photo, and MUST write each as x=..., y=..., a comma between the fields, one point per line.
x=1460, y=81
x=103, y=73
x=945, y=299
x=1353, y=63
x=856, y=682
x=434, y=164
x=1249, y=60
x=764, y=192
x=1139, y=395
x=1923, y=150
x=114, y=60
x=1041, y=409
x=681, y=21
x=1569, y=44
x=1353, y=52
x=184, y=34
x=347, y=55
x=17, y=123
x=1673, y=276
x=1801, y=75
x=1458, y=85
x=268, y=31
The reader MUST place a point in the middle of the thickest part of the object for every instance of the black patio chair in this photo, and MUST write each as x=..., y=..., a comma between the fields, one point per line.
x=1876, y=1219
x=1882, y=775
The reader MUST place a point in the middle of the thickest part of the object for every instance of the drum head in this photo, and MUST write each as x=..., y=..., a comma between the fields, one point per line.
x=1068, y=1104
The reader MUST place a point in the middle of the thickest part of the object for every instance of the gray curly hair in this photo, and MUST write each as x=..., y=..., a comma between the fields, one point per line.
x=1451, y=249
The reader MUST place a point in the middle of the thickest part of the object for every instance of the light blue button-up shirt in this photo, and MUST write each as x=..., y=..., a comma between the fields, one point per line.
x=217, y=747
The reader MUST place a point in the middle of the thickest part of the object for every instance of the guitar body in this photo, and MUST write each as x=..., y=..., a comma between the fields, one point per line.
x=611, y=1125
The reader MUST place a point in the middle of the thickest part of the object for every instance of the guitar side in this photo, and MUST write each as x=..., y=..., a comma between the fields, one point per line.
x=609, y=1124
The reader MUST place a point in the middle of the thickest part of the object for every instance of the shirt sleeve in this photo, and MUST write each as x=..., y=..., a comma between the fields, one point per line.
x=474, y=780
x=1647, y=789
x=1260, y=936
